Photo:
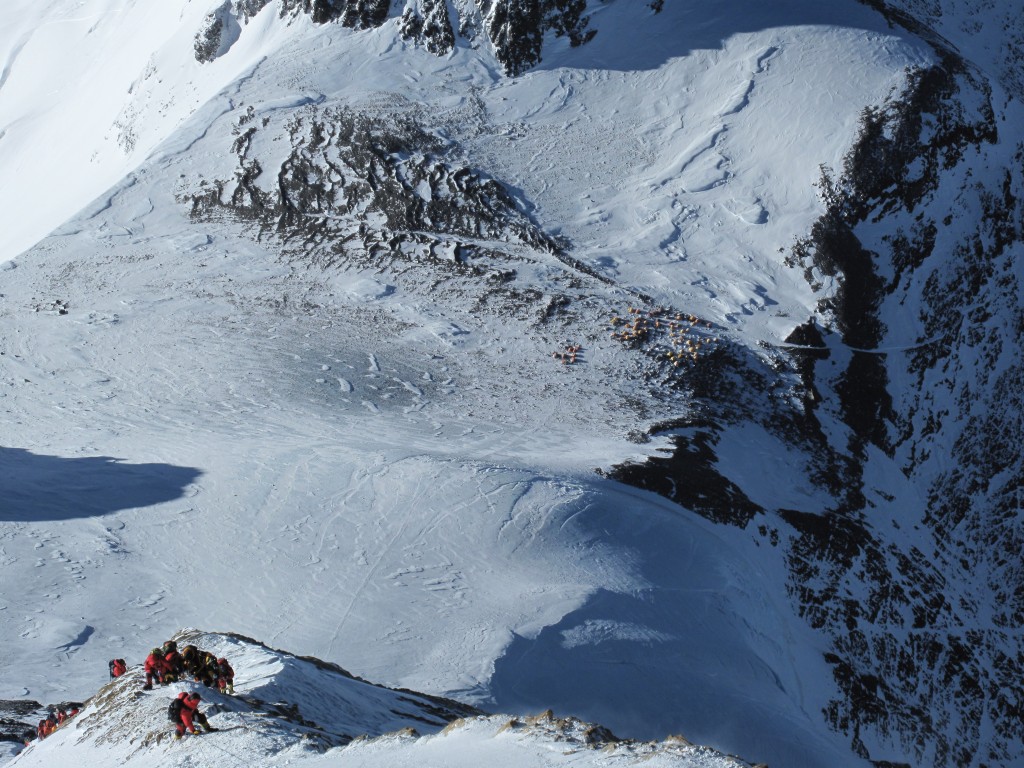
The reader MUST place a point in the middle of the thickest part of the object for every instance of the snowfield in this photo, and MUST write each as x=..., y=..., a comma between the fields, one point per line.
x=377, y=462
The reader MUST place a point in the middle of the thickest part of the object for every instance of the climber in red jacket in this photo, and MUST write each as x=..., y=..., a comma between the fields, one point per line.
x=155, y=667
x=184, y=713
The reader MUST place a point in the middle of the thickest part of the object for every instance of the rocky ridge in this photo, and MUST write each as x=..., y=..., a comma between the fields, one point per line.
x=375, y=188
x=513, y=28
x=289, y=710
x=929, y=673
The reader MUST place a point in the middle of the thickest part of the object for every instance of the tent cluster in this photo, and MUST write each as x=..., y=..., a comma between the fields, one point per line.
x=684, y=335
x=568, y=355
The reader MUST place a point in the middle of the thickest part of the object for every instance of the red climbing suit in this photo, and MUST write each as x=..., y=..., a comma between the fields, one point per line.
x=189, y=705
x=156, y=668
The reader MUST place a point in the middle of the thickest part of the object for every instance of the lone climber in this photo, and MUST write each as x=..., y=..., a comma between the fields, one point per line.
x=117, y=667
x=184, y=713
x=156, y=669
x=225, y=676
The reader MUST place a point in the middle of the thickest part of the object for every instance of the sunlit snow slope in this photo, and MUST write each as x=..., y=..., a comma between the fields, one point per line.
x=87, y=90
x=327, y=426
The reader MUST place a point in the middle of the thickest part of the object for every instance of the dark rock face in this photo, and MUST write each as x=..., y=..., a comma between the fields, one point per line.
x=568, y=18
x=377, y=186
x=929, y=654
x=688, y=477
x=912, y=424
x=248, y=8
x=360, y=14
x=351, y=13
x=219, y=32
x=515, y=28
x=207, y=41
x=430, y=27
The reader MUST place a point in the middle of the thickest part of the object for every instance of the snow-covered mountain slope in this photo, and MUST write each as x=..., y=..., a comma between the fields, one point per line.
x=335, y=367
x=986, y=33
x=292, y=711
x=88, y=89
x=919, y=391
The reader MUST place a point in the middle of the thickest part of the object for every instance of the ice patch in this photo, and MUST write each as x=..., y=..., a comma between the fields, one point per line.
x=449, y=333
x=365, y=289
x=593, y=632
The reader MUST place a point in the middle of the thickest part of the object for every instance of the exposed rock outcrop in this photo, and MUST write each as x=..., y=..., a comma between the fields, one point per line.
x=922, y=610
x=219, y=32
x=370, y=186
x=429, y=25
x=514, y=28
x=926, y=664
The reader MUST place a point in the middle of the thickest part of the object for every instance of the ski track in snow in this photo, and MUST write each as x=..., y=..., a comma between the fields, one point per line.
x=12, y=58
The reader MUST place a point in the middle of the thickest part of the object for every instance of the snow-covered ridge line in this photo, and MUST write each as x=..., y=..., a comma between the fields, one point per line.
x=288, y=710
x=988, y=34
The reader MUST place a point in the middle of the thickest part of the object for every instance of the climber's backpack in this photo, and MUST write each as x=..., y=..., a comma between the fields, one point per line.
x=174, y=711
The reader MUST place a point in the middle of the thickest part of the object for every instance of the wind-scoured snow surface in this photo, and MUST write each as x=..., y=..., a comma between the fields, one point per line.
x=299, y=365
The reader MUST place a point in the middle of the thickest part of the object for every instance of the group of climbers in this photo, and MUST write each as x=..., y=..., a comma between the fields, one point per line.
x=167, y=665
x=53, y=720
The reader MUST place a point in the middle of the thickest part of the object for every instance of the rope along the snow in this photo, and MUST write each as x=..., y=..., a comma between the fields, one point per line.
x=233, y=755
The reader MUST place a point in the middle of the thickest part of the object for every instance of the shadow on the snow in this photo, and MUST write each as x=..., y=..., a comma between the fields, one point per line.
x=634, y=41
x=38, y=487
x=691, y=651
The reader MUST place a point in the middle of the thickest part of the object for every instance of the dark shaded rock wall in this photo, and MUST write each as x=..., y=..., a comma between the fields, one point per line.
x=514, y=28
x=430, y=26
x=924, y=229
x=907, y=402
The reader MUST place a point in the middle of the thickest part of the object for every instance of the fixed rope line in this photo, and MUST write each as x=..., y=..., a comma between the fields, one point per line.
x=229, y=753
x=875, y=351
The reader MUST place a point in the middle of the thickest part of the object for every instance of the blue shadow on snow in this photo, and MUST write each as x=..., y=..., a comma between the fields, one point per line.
x=35, y=487
x=632, y=38
x=696, y=645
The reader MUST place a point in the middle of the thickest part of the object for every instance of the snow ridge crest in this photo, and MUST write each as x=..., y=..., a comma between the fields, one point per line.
x=290, y=710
